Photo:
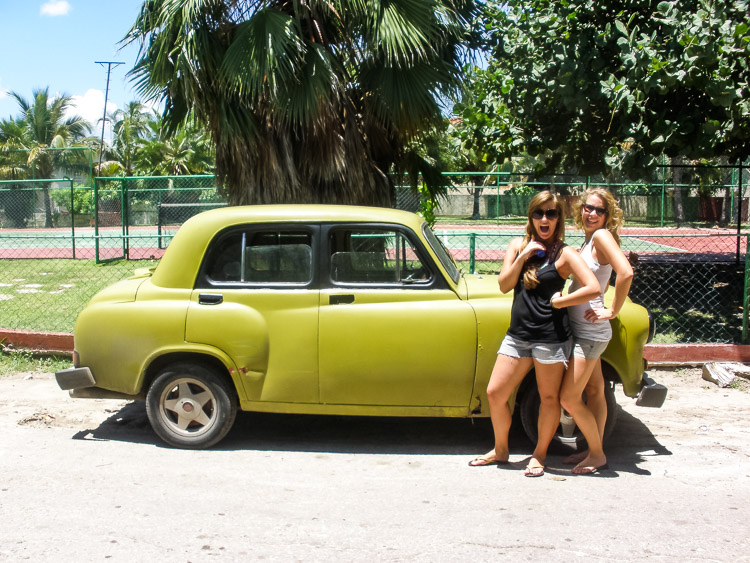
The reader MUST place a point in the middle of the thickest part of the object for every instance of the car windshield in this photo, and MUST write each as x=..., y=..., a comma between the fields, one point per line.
x=445, y=257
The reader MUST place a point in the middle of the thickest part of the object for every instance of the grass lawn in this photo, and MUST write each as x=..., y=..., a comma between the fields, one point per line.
x=47, y=295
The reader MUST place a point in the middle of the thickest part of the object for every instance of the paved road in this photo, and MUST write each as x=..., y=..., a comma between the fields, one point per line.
x=88, y=481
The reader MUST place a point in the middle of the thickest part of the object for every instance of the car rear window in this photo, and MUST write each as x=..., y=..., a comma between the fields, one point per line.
x=261, y=257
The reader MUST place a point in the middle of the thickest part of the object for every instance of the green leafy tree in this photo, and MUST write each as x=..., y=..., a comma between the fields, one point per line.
x=43, y=130
x=480, y=138
x=596, y=85
x=314, y=101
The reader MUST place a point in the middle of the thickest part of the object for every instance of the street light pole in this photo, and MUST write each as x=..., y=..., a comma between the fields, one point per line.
x=109, y=64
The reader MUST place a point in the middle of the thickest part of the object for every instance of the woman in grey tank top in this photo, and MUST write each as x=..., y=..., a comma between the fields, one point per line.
x=598, y=214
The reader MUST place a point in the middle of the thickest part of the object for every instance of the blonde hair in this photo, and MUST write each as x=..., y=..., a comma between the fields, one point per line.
x=530, y=281
x=614, y=221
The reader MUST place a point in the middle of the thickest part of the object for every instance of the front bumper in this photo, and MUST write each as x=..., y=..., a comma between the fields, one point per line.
x=75, y=378
x=652, y=394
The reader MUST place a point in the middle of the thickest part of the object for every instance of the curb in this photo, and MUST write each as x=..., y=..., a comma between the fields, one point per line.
x=695, y=354
x=656, y=354
x=41, y=342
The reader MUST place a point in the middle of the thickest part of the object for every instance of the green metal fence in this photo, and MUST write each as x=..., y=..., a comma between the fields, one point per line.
x=691, y=277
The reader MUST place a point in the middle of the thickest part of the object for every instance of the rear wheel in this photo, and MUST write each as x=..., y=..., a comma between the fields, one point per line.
x=191, y=406
x=568, y=434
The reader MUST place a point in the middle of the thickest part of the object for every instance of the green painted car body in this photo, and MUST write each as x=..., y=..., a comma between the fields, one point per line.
x=314, y=309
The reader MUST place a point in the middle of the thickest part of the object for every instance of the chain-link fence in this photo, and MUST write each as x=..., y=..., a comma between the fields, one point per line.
x=60, y=243
x=678, y=195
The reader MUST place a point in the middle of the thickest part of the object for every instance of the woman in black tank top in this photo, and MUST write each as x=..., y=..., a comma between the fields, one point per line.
x=536, y=267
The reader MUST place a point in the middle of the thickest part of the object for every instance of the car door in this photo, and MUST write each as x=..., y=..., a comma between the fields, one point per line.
x=256, y=298
x=392, y=331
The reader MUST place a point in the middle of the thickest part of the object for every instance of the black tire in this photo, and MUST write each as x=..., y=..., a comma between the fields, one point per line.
x=191, y=406
x=568, y=434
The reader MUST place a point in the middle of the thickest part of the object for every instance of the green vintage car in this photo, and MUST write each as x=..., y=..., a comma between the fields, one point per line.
x=312, y=309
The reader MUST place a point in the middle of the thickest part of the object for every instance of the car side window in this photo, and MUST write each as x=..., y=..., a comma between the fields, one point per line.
x=374, y=256
x=261, y=257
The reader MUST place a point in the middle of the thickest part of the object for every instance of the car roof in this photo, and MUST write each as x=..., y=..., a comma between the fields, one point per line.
x=307, y=213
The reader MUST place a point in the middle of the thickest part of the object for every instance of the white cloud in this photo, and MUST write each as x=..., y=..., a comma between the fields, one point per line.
x=55, y=8
x=90, y=106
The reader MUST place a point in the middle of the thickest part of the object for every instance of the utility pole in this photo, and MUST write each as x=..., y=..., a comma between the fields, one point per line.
x=109, y=64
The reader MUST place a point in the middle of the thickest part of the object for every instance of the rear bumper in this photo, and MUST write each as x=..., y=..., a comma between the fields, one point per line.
x=652, y=394
x=75, y=378
x=80, y=384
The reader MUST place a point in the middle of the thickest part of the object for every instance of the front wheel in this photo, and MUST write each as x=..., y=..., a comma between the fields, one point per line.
x=191, y=406
x=568, y=434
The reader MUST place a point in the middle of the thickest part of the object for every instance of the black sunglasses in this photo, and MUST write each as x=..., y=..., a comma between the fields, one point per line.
x=549, y=213
x=591, y=208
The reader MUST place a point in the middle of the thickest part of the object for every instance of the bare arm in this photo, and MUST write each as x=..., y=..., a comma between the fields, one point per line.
x=515, y=258
x=571, y=263
x=608, y=252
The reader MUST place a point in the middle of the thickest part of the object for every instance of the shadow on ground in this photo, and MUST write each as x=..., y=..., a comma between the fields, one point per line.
x=630, y=445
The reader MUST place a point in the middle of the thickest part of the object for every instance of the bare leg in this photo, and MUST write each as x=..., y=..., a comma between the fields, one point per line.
x=576, y=378
x=506, y=375
x=595, y=398
x=548, y=378
x=597, y=404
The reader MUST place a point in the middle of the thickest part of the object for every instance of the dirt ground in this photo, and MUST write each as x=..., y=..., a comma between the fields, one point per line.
x=87, y=480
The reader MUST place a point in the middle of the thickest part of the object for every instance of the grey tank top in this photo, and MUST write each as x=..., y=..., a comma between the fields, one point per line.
x=600, y=331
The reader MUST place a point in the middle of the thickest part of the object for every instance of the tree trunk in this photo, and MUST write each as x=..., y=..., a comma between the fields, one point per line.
x=726, y=218
x=677, y=173
x=47, y=207
x=475, y=210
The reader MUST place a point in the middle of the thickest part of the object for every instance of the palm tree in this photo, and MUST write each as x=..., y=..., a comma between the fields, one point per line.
x=129, y=129
x=186, y=151
x=311, y=101
x=41, y=126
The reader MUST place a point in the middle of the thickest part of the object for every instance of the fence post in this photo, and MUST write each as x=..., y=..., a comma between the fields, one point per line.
x=497, y=200
x=125, y=218
x=96, y=220
x=745, y=289
x=663, y=190
x=72, y=220
x=739, y=213
x=472, y=251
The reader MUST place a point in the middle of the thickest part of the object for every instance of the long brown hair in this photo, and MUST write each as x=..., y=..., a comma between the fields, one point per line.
x=530, y=281
x=614, y=220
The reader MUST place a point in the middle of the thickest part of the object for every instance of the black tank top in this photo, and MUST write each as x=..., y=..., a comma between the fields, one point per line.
x=532, y=318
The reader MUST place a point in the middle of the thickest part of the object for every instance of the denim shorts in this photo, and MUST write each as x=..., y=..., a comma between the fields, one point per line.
x=542, y=352
x=589, y=349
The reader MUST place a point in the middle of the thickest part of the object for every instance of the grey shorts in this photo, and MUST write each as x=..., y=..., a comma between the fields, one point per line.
x=589, y=349
x=542, y=352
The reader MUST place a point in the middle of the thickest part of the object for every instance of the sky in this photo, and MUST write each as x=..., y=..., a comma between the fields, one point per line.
x=57, y=43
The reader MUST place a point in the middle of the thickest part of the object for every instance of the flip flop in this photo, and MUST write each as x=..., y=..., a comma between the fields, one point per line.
x=483, y=461
x=589, y=469
x=534, y=469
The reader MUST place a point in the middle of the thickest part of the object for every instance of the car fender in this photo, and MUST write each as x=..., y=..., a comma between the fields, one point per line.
x=239, y=331
x=624, y=353
x=190, y=353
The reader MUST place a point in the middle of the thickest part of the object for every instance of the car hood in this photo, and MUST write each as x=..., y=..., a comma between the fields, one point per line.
x=480, y=286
